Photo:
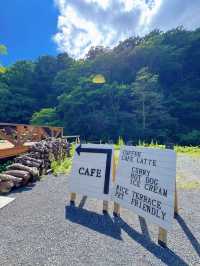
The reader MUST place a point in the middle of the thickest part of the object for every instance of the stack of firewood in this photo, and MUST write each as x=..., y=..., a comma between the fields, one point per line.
x=29, y=167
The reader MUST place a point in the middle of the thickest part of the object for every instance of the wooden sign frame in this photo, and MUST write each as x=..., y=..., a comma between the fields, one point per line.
x=162, y=233
x=116, y=209
x=105, y=202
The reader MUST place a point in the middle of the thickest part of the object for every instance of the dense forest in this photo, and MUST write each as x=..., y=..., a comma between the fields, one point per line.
x=152, y=90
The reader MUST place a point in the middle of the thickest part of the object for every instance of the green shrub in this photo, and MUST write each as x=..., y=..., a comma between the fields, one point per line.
x=62, y=167
x=3, y=165
x=192, y=137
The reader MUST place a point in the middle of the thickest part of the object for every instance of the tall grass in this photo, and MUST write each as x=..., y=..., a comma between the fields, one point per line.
x=187, y=150
x=4, y=164
x=64, y=167
x=61, y=167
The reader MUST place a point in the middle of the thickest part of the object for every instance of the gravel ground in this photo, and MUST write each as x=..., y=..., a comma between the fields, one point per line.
x=188, y=169
x=39, y=228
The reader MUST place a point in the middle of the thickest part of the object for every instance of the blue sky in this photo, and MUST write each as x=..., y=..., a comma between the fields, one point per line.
x=30, y=28
x=27, y=28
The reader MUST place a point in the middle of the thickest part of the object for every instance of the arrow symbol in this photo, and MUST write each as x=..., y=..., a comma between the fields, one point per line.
x=108, y=152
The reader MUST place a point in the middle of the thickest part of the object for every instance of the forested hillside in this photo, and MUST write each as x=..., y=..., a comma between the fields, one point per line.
x=152, y=90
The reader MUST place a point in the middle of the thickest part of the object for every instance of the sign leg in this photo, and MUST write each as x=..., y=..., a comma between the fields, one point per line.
x=162, y=237
x=176, y=203
x=72, y=198
x=116, y=211
x=105, y=207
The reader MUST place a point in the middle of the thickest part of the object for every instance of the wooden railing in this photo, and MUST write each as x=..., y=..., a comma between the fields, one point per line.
x=20, y=137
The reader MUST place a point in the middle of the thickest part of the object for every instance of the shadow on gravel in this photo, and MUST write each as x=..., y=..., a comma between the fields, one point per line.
x=112, y=227
x=144, y=227
x=189, y=234
x=164, y=254
x=97, y=222
x=22, y=189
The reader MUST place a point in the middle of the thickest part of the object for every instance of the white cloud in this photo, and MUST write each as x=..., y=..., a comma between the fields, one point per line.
x=174, y=13
x=86, y=23
x=102, y=3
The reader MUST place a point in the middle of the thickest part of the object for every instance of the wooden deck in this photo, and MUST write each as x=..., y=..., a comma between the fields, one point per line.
x=17, y=138
x=11, y=152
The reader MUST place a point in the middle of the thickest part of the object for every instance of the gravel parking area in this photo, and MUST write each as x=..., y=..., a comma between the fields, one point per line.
x=40, y=228
x=188, y=170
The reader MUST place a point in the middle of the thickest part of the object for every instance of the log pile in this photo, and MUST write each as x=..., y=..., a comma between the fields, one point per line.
x=29, y=167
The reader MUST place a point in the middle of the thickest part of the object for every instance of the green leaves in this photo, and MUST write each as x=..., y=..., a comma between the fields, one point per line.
x=3, y=49
x=46, y=116
x=152, y=90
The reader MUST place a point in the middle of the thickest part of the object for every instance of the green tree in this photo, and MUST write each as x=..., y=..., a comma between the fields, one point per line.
x=46, y=70
x=152, y=89
x=20, y=102
x=148, y=104
x=3, y=51
x=46, y=116
x=97, y=111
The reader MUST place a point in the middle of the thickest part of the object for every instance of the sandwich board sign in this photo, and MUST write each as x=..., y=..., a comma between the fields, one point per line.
x=92, y=169
x=145, y=183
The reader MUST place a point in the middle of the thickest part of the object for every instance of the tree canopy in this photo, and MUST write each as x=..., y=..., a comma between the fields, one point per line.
x=3, y=50
x=150, y=90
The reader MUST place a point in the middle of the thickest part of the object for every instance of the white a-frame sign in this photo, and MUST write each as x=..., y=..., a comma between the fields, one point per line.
x=92, y=171
x=145, y=183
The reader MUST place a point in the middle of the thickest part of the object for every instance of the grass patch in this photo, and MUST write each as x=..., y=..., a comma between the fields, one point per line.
x=189, y=150
x=183, y=184
x=3, y=165
x=180, y=178
x=64, y=166
x=189, y=185
x=61, y=167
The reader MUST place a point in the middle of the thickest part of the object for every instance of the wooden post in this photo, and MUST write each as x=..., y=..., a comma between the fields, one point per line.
x=176, y=194
x=105, y=203
x=162, y=235
x=72, y=198
x=77, y=140
x=175, y=202
x=116, y=210
x=105, y=207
